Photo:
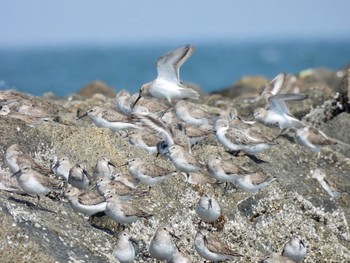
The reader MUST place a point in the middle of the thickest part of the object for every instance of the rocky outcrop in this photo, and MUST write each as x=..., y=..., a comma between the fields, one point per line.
x=253, y=224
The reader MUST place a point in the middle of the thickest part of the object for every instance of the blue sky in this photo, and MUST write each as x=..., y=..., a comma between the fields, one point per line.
x=42, y=22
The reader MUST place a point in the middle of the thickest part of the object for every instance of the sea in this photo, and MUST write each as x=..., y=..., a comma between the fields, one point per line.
x=64, y=69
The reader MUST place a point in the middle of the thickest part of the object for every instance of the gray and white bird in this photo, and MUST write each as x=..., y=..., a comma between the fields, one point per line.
x=295, y=249
x=211, y=248
x=162, y=246
x=124, y=249
x=208, y=209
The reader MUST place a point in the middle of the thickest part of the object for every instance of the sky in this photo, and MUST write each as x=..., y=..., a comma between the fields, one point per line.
x=42, y=22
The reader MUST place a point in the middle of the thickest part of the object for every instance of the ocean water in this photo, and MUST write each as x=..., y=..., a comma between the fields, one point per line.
x=64, y=70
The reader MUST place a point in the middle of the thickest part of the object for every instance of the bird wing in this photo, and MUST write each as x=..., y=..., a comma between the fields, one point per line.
x=113, y=116
x=168, y=65
x=278, y=102
x=238, y=136
x=231, y=168
x=215, y=246
x=89, y=198
x=276, y=85
x=317, y=137
x=130, y=210
x=154, y=170
x=49, y=182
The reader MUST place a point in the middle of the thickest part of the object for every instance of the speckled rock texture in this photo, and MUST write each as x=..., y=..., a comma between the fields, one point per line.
x=255, y=225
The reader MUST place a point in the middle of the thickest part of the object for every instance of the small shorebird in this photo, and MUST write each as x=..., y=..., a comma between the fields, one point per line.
x=183, y=161
x=277, y=112
x=294, y=249
x=124, y=249
x=85, y=202
x=162, y=246
x=235, y=138
x=327, y=185
x=79, y=177
x=211, y=248
x=123, y=212
x=224, y=171
x=148, y=173
x=103, y=168
x=33, y=182
x=107, y=118
x=167, y=85
x=192, y=114
x=208, y=209
x=275, y=258
x=15, y=158
x=62, y=167
x=178, y=257
x=145, y=139
x=125, y=192
x=313, y=138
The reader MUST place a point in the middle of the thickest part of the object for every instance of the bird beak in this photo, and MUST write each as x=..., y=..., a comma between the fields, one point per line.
x=205, y=240
x=56, y=165
x=173, y=235
x=125, y=164
x=92, y=188
x=16, y=173
x=209, y=204
x=138, y=98
x=112, y=164
x=82, y=116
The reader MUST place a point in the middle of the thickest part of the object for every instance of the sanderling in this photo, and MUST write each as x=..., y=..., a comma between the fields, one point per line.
x=277, y=112
x=224, y=171
x=275, y=258
x=178, y=257
x=235, y=138
x=252, y=183
x=8, y=97
x=104, y=185
x=122, y=102
x=208, y=209
x=15, y=158
x=162, y=246
x=8, y=183
x=313, y=138
x=196, y=134
x=123, y=212
x=167, y=85
x=103, y=168
x=84, y=202
x=33, y=182
x=79, y=177
x=26, y=107
x=145, y=139
x=32, y=121
x=192, y=114
x=327, y=185
x=198, y=178
x=124, y=250
x=183, y=161
x=107, y=118
x=273, y=88
x=62, y=167
x=148, y=173
x=294, y=249
x=211, y=248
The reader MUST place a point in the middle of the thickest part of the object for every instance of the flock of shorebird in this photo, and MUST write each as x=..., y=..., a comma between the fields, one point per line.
x=161, y=121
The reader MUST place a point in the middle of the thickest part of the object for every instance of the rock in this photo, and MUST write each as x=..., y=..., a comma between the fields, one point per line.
x=94, y=87
x=253, y=224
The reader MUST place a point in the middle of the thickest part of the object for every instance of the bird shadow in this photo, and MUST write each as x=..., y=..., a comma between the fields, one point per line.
x=31, y=205
x=256, y=159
